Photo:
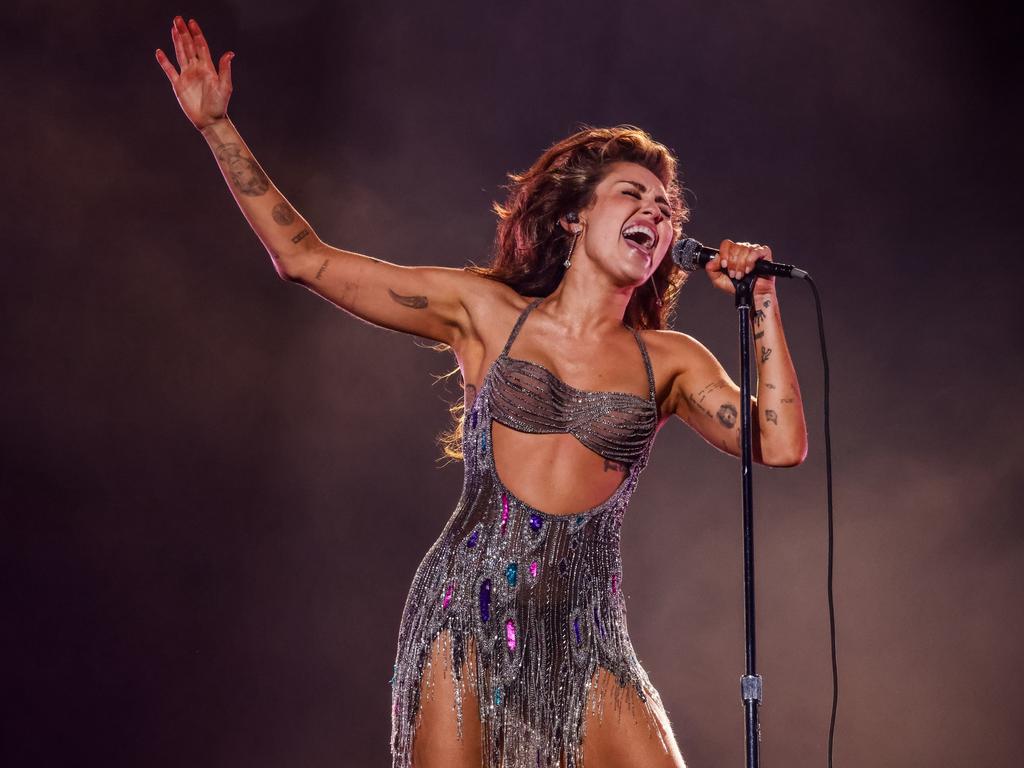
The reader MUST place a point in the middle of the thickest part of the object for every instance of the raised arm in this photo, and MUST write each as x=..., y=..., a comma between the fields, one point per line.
x=431, y=302
x=708, y=400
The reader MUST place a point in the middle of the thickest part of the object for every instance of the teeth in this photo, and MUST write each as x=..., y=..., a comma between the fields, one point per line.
x=647, y=232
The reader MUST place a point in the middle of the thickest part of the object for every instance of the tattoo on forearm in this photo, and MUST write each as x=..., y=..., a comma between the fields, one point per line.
x=772, y=416
x=787, y=399
x=301, y=236
x=767, y=303
x=245, y=174
x=758, y=316
x=758, y=335
x=322, y=268
x=614, y=466
x=727, y=415
x=769, y=385
x=413, y=302
x=766, y=352
x=283, y=214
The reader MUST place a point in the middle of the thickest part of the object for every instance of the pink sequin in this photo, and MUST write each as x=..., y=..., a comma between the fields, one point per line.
x=615, y=583
x=533, y=569
x=447, y=596
x=504, y=513
x=510, y=634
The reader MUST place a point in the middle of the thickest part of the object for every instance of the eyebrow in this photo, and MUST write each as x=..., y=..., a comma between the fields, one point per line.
x=642, y=188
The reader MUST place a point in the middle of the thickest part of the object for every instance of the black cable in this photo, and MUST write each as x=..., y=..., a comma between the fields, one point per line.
x=828, y=485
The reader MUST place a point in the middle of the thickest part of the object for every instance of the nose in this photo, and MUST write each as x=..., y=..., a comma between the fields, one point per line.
x=654, y=210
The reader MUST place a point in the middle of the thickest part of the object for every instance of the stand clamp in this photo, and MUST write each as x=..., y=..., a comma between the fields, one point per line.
x=750, y=688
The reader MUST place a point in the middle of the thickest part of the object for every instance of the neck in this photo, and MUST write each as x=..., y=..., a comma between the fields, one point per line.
x=587, y=304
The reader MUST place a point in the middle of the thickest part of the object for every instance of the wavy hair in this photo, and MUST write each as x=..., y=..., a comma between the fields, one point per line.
x=530, y=245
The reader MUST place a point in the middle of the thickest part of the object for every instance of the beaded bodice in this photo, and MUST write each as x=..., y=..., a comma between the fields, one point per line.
x=528, y=397
x=527, y=606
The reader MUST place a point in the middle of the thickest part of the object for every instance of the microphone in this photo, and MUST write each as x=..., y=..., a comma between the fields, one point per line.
x=691, y=256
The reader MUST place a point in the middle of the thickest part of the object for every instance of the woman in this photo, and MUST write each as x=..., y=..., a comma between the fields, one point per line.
x=513, y=646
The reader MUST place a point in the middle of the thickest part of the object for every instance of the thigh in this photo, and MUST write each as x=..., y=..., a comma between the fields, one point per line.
x=436, y=743
x=624, y=732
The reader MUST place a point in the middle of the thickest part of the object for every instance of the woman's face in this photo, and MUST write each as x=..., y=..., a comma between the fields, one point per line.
x=628, y=224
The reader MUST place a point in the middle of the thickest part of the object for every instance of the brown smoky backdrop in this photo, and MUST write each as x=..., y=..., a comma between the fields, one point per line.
x=215, y=487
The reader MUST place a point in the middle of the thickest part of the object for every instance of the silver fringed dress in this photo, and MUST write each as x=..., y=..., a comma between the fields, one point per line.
x=526, y=605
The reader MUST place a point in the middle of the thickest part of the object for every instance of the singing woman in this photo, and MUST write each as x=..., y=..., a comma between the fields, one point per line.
x=513, y=648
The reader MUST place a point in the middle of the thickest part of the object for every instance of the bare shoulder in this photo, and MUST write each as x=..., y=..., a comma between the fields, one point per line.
x=492, y=307
x=675, y=356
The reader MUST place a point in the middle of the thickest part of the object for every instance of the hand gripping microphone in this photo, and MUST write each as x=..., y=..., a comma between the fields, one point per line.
x=691, y=256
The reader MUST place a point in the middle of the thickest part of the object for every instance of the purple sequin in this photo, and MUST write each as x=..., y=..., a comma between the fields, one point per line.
x=510, y=634
x=533, y=569
x=576, y=628
x=536, y=521
x=485, y=600
x=447, y=596
x=472, y=419
x=471, y=541
x=615, y=583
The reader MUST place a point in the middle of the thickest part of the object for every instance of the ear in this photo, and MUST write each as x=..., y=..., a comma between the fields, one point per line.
x=572, y=224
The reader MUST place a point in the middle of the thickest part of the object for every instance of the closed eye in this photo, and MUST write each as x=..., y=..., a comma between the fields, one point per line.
x=633, y=193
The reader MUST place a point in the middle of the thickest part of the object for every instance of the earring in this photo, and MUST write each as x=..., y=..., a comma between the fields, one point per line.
x=573, y=218
x=654, y=287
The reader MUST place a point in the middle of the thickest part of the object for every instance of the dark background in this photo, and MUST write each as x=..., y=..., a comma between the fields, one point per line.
x=215, y=487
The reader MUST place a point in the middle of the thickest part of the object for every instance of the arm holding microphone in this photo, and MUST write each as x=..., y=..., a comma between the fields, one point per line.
x=705, y=396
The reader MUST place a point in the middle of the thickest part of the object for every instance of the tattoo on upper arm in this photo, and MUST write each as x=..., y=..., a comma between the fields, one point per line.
x=766, y=352
x=322, y=268
x=772, y=416
x=283, y=214
x=301, y=236
x=245, y=174
x=727, y=415
x=614, y=466
x=413, y=302
x=697, y=400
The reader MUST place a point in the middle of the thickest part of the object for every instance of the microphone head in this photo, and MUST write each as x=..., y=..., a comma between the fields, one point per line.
x=686, y=254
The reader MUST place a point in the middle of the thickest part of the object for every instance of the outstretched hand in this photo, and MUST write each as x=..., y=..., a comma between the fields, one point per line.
x=202, y=90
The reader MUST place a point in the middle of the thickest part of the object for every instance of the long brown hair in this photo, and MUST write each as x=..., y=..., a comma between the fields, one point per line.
x=530, y=245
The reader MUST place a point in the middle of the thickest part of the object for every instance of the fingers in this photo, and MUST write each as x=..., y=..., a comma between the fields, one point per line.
x=179, y=47
x=738, y=259
x=225, y=70
x=186, y=38
x=166, y=66
x=202, y=49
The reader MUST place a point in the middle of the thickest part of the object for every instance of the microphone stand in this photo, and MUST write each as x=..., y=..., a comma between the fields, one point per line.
x=750, y=682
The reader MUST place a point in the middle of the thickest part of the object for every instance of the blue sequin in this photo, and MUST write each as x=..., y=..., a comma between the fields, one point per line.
x=511, y=574
x=497, y=696
x=485, y=601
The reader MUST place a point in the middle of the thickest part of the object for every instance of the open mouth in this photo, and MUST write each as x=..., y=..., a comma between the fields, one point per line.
x=641, y=236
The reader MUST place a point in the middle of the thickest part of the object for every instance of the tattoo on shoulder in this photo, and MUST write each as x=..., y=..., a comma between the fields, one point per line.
x=283, y=214
x=413, y=302
x=727, y=415
x=772, y=416
x=245, y=174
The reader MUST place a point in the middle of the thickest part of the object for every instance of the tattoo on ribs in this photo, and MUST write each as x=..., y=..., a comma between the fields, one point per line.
x=245, y=174
x=413, y=302
x=614, y=466
x=772, y=416
x=470, y=394
x=283, y=214
x=727, y=415
x=301, y=236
